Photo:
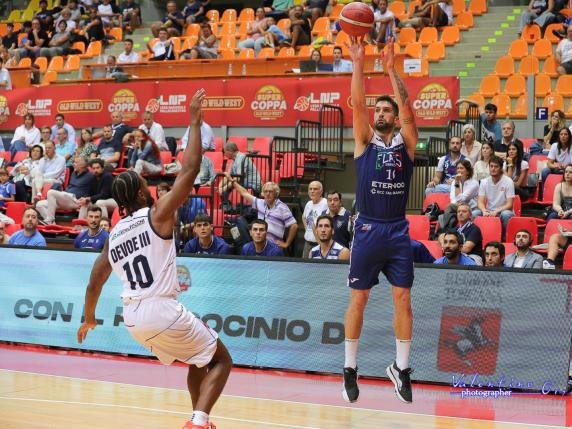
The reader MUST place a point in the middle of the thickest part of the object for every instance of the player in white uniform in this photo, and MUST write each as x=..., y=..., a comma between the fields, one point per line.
x=141, y=251
x=328, y=248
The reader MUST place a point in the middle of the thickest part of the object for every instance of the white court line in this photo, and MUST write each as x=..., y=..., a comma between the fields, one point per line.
x=300, y=403
x=155, y=410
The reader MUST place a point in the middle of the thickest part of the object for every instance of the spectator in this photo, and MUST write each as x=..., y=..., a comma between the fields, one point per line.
x=22, y=172
x=470, y=148
x=109, y=14
x=273, y=35
x=45, y=136
x=131, y=15
x=556, y=242
x=59, y=43
x=51, y=171
x=279, y=9
x=274, y=212
x=416, y=19
x=471, y=233
x=66, y=16
x=316, y=56
x=563, y=54
x=534, y=10
x=340, y=65
x=207, y=137
x=552, y=129
x=421, y=254
x=314, y=208
x=327, y=247
x=452, y=244
x=105, y=224
x=255, y=32
x=100, y=191
x=559, y=156
x=29, y=236
x=154, y=130
x=163, y=48
x=494, y=254
x=128, y=55
x=465, y=189
x=194, y=11
x=65, y=147
x=79, y=186
x=206, y=46
x=92, y=28
x=446, y=169
x=516, y=168
x=45, y=16
x=384, y=27
x=562, y=200
x=94, y=236
x=146, y=157
x=61, y=123
x=207, y=172
x=496, y=194
x=260, y=245
x=4, y=238
x=10, y=39
x=300, y=28
x=241, y=166
x=173, y=21
x=109, y=149
x=205, y=241
x=113, y=71
x=5, y=81
x=523, y=257
x=9, y=61
x=37, y=39
x=314, y=9
x=118, y=127
x=7, y=188
x=25, y=136
x=86, y=146
x=341, y=218
x=482, y=166
x=501, y=146
x=491, y=128
x=75, y=12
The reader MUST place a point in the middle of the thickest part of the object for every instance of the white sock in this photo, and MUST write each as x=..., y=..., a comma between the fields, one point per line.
x=200, y=418
x=402, y=353
x=351, y=353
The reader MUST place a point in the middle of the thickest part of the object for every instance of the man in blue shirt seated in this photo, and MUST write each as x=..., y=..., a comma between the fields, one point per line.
x=205, y=242
x=452, y=244
x=260, y=246
x=29, y=236
x=94, y=236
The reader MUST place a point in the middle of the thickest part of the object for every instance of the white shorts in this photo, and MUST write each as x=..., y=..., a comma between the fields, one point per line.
x=169, y=331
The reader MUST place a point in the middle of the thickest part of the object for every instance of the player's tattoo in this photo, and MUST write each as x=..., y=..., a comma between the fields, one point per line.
x=407, y=120
x=401, y=87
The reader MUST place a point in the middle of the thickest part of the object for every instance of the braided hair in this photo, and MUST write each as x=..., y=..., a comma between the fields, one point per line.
x=124, y=191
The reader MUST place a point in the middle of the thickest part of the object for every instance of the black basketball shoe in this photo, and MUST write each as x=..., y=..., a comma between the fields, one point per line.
x=402, y=382
x=350, y=391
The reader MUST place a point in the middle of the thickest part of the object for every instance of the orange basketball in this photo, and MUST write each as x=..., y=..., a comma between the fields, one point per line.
x=356, y=19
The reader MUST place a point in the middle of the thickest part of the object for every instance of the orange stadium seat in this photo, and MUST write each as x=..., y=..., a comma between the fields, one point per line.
x=490, y=86
x=192, y=30
x=42, y=63
x=517, y=223
x=542, y=48
x=412, y=5
x=227, y=54
x=266, y=53
x=93, y=50
x=553, y=102
x=548, y=33
x=25, y=62
x=428, y=35
x=229, y=15
x=521, y=107
x=336, y=9
x=515, y=85
x=212, y=15
x=478, y=7
x=549, y=67
x=528, y=66
x=243, y=29
x=564, y=85
x=542, y=85
x=246, y=14
x=518, y=48
x=306, y=51
x=286, y=52
x=451, y=35
x=419, y=227
x=458, y=7
x=228, y=28
x=247, y=54
x=72, y=64
x=49, y=77
x=227, y=42
x=531, y=33
x=504, y=66
x=465, y=20
x=321, y=25
x=117, y=34
x=284, y=25
x=56, y=63
x=569, y=111
x=503, y=103
x=491, y=228
x=398, y=9
x=413, y=50
x=188, y=43
x=436, y=51
x=80, y=46
x=407, y=35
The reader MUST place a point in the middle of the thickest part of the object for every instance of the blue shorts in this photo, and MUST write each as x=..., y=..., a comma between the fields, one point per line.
x=380, y=247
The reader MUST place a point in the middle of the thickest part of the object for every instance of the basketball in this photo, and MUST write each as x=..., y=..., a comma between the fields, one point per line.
x=356, y=19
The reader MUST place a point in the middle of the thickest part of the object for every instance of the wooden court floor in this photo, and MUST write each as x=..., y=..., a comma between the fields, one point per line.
x=39, y=401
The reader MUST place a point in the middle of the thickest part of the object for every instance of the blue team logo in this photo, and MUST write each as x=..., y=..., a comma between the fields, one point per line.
x=389, y=160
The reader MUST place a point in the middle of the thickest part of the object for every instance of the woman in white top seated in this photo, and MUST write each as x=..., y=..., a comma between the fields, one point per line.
x=516, y=168
x=470, y=148
x=464, y=189
x=22, y=172
x=481, y=167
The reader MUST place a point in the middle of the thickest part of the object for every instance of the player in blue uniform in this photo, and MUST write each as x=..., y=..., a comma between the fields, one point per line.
x=384, y=165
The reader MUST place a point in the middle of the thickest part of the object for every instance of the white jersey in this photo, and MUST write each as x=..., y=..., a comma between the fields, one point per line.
x=333, y=252
x=144, y=261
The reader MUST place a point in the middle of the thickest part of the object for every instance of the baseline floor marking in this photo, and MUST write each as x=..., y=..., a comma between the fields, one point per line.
x=297, y=402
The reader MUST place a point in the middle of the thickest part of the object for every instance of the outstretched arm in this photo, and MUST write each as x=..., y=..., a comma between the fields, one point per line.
x=361, y=128
x=240, y=189
x=406, y=116
x=162, y=214
x=99, y=275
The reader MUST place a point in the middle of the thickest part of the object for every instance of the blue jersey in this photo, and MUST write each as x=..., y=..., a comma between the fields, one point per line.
x=383, y=176
x=270, y=249
x=86, y=241
x=218, y=247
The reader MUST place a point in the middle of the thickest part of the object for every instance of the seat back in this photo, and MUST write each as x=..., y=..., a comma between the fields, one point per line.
x=491, y=228
x=516, y=224
x=418, y=227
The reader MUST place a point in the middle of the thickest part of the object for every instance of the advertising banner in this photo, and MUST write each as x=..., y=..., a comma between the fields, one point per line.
x=470, y=326
x=233, y=102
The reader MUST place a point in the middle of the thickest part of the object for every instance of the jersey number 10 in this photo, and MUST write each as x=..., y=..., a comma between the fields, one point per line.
x=139, y=263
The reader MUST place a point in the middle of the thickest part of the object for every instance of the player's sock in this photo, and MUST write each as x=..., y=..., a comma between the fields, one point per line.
x=351, y=353
x=402, y=353
x=200, y=418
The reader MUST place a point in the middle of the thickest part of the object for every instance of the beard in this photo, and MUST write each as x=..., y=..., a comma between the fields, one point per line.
x=383, y=126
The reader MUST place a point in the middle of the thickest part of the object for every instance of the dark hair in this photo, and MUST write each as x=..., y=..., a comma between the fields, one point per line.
x=33, y=209
x=491, y=106
x=468, y=166
x=99, y=161
x=94, y=208
x=146, y=137
x=457, y=234
x=259, y=222
x=491, y=145
x=497, y=160
x=519, y=156
x=337, y=47
x=202, y=217
x=389, y=100
x=29, y=116
x=566, y=130
x=59, y=115
x=34, y=147
x=328, y=217
x=3, y=171
x=525, y=231
x=564, y=171
x=333, y=191
x=163, y=186
x=496, y=245
x=124, y=190
x=128, y=40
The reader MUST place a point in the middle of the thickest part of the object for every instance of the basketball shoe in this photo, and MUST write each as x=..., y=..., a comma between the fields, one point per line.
x=402, y=382
x=191, y=425
x=350, y=391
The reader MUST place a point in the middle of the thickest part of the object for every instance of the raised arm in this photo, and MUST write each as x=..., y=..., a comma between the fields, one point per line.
x=406, y=116
x=162, y=214
x=361, y=128
x=240, y=189
x=99, y=275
